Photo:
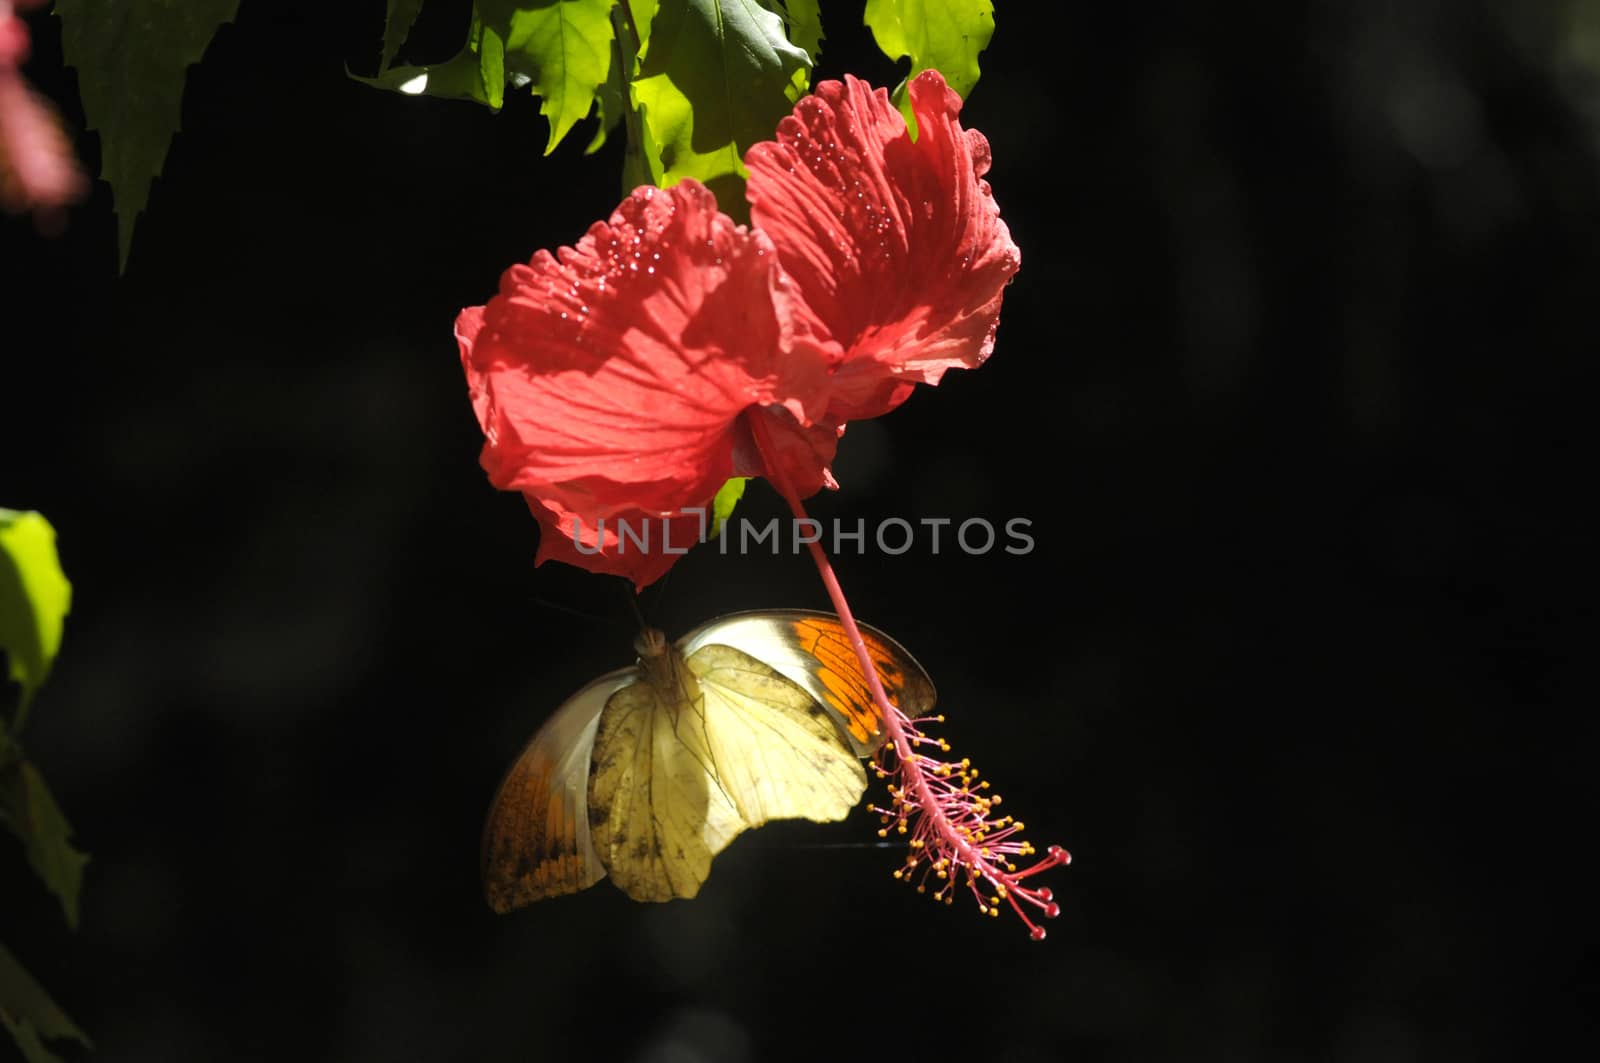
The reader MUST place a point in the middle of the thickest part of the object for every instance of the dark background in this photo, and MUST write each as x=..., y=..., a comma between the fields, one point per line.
x=1287, y=385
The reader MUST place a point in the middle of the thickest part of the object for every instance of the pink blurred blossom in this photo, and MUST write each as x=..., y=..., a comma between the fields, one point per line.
x=38, y=170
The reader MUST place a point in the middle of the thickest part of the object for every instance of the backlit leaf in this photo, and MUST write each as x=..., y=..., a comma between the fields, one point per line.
x=30, y=1014
x=722, y=505
x=559, y=49
x=611, y=98
x=803, y=20
x=457, y=78
x=942, y=35
x=716, y=78
x=492, y=63
x=131, y=58
x=30, y=811
x=34, y=599
x=397, y=24
x=614, y=99
x=562, y=47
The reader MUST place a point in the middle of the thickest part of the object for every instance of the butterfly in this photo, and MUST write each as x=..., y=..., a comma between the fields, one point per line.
x=649, y=772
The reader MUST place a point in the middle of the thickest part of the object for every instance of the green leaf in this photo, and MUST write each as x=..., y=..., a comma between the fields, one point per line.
x=611, y=99
x=457, y=78
x=34, y=600
x=561, y=47
x=644, y=18
x=614, y=100
x=30, y=811
x=643, y=167
x=716, y=78
x=942, y=35
x=803, y=23
x=131, y=59
x=398, y=20
x=728, y=496
x=803, y=20
x=492, y=64
x=30, y=1014
x=28, y=1041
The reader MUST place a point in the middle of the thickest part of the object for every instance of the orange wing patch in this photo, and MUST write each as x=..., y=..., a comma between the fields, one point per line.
x=839, y=672
x=531, y=846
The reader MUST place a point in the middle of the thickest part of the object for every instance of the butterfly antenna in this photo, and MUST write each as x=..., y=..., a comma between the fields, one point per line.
x=569, y=610
x=633, y=603
x=661, y=588
x=837, y=845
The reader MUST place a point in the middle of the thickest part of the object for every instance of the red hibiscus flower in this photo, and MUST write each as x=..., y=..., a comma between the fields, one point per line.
x=621, y=381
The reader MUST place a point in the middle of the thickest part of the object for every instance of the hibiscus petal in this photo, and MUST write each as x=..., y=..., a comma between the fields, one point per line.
x=608, y=378
x=632, y=543
x=895, y=247
x=788, y=452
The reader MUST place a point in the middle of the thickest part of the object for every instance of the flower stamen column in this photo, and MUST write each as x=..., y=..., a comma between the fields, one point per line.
x=941, y=804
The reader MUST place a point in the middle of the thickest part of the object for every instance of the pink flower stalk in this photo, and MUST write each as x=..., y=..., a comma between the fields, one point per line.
x=956, y=835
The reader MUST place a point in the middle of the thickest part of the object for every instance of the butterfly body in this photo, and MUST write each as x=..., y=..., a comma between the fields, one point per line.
x=649, y=772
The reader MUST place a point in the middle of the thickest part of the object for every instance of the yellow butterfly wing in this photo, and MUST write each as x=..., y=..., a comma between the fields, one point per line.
x=649, y=772
x=777, y=752
x=701, y=751
x=811, y=649
x=657, y=813
x=536, y=841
